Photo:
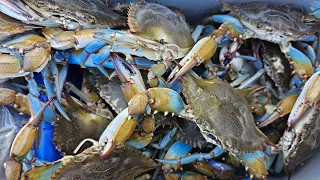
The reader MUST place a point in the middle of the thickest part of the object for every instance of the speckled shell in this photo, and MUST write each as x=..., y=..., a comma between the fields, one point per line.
x=159, y=23
x=273, y=19
x=222, y=115
x=94, y=12
x=121, y=164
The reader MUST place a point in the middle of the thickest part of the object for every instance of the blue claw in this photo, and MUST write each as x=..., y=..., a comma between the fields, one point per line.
x=75, y=58
x=165, y=140
x=91, y=48
x=225, y=18
x=257, y=62
x=221, y=167
x=176, y=151
x=217, y=151
x=301, y=63
x=315, y=8
x=255, y=163
x=309, y=51
x=51, y=93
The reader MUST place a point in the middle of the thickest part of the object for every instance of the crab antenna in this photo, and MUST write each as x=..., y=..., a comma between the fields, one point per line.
x=95, y=143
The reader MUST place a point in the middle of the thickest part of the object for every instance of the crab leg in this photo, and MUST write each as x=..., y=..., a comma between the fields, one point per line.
x=217, y=151
x=78, y=92
x=165, y=141
x=315, y=8
x=51, y=93
x=309, y=51
x=176, y=151
x=35, y=103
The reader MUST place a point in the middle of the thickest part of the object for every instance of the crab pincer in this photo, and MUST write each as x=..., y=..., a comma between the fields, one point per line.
x=24, y=140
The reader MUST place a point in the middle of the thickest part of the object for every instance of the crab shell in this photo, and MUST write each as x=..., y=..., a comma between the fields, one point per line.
x=110, y=91
x=270, y=22
x=223, y=116
x=84, y=124
x=122, y=163
x=159, y=23
x=190, y=134
x=74, y=14
x=277, y=66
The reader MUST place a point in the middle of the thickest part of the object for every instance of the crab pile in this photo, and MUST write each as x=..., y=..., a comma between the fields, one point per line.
x=132, y=91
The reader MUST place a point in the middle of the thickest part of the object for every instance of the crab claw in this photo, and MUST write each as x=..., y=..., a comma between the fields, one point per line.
x=7, y=96
x=132, y=82
x=308, y=98
x=24, y=140
x=21, y=102
x=117, y=132
x=301, y=63
x=283, y=108
x=176, y=151
x=160, y=99
x=10, y=66
x=36, y=53
x=202, y=51
x=254, y=163
x=13, y=169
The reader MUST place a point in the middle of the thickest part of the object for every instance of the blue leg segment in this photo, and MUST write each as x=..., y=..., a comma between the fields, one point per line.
x=217, y=151
x=165, y=140
x=309, y=51
x=55, y=73
x=51, y=93
x=46, y=150
x=225, y=18
x=91, y=48
x=257, y=62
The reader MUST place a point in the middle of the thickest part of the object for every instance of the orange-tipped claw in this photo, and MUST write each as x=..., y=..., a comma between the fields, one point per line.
x=283, y=108
x=202, y=51
x=24, y=140
x=117, y=132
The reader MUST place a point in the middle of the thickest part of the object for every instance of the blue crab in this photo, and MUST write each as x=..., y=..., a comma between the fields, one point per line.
x=122, y=163
x=168, y=101
x=141, y=40
x=255, y=20
x=85, y=124
x=301, y=138
x=69, y=14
